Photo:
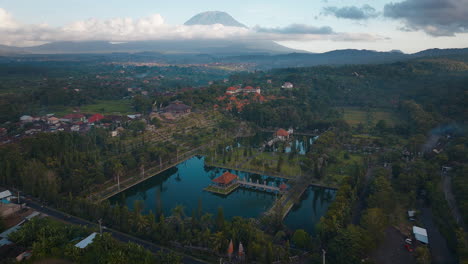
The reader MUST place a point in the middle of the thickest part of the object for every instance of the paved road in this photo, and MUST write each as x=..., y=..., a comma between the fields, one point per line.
x=392, y=250
x=116, y=234
x=447, y=186
x=437, y=244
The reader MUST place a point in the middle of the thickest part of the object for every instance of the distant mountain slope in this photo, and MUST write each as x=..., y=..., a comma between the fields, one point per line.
x=221, y=51
x=340, y=57
x=218, y=47
x=9, y=50
x=214, y=17
x=214, y=46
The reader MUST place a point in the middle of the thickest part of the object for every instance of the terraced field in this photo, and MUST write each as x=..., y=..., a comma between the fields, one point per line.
x=355, y=115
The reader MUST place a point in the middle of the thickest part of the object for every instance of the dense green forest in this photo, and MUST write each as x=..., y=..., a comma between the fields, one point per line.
x=437, y=86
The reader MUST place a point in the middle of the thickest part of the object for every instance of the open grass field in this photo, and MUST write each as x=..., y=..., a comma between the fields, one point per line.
x=354, y=116
x=342, y=167
x=108, y=107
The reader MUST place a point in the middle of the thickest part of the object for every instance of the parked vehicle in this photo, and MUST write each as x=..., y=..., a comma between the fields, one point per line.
x=409, y=248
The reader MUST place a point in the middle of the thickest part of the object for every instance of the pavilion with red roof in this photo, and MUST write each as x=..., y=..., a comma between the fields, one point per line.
x=282, y=134
x=225, y=180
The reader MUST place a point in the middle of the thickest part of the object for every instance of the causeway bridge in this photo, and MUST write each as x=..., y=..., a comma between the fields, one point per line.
x=258, y=185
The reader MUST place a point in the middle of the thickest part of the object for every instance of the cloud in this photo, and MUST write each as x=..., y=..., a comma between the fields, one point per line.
x=352, y=12
x=435, y=17
x=296, y=29
x=154, y=28
x=114, y=30
x=6, y=20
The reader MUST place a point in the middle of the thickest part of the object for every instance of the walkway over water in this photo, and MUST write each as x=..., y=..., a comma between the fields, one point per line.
x=258, y=185
x=310, y=134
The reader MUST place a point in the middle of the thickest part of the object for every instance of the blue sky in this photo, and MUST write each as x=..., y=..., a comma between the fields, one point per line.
x=263, y=12
x=387, y=24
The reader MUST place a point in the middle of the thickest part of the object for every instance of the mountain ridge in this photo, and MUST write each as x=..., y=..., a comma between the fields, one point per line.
x=214, y=17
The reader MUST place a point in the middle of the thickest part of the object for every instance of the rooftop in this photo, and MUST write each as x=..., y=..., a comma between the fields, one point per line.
x=85, y=242
x=282, y=133
x=177, y=107
x=226, y=178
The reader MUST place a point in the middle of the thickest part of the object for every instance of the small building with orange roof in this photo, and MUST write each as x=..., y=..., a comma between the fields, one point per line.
x=282, y=134
x=232, y=90
x=225, y=180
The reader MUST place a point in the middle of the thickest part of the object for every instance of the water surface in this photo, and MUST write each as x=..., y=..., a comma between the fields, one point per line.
x=314, y=204
x=184, y=184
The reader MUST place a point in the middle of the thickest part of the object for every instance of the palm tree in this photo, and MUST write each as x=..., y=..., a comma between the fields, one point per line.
x=178, y=213
x=139, y=221
x=142, y=167
x=206, y=220
x=118, y=172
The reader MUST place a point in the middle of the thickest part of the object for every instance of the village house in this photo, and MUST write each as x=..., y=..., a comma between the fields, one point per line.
x=26, y=119
x=287, y=85
x=6, y=195
x=134, y=117
x=75, y=128
x=71, y=118
x=95, y=118
x=177, y=108
x=52, y=120
x=248, y=89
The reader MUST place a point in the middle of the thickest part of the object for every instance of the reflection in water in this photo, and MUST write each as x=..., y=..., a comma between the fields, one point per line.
x=300, y=145
x=184, y=184
x=307, y=213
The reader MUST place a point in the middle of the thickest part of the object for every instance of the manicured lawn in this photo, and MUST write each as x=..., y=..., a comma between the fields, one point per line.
x=224, y=191
x=289, y=168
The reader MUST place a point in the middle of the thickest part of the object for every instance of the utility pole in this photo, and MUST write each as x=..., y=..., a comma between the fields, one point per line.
x=100, y=226
x=323, y=255
x=118, y=181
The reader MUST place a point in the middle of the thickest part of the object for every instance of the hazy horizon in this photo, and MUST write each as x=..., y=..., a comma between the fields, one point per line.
x=314, y=26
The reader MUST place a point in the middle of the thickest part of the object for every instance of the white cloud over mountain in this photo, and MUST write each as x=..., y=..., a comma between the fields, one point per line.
x=15, y=33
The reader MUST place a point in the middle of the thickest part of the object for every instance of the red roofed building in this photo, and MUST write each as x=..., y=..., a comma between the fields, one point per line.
x=283, y=187
x=225, y=180
x=73, y=117
x=232, y=90
x=250, y=89
x=95, y=118
x=282, y=134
